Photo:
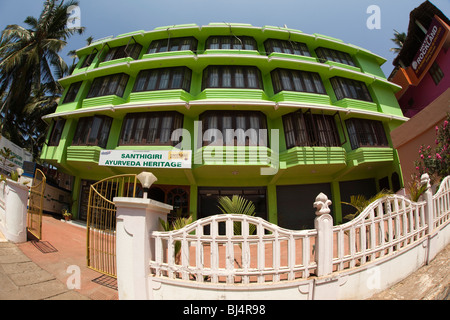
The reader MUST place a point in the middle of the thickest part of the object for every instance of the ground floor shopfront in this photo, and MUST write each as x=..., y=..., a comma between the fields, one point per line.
x=283, y=197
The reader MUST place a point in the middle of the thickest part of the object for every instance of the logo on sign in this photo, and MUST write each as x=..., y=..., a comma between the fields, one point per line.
x=426, y=45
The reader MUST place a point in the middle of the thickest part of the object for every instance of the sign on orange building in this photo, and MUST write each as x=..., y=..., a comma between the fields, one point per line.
x=431, y=45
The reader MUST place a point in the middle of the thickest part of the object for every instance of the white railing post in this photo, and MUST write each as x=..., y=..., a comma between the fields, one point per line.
x=429, y=217
x=428, y=197
x=323, y=223
x=136, y=219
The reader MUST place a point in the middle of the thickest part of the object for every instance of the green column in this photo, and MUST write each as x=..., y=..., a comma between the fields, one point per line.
x=336, y=199
x=193, y=196
x=114, y=134
x=272, y=215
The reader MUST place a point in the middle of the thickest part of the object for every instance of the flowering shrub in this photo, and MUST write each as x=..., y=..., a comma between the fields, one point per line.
x=436, y=161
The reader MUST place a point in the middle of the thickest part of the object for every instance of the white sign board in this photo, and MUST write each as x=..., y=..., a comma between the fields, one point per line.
x=146, y=158
x=20, y=155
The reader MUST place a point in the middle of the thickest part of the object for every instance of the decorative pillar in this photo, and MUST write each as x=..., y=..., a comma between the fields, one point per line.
x=15, y=196
x=136, y=219
x=323, y=223
x=428, y=197
x=429, y=217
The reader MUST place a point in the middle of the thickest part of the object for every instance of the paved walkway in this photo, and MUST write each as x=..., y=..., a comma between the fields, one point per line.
x=38, y=270
x=45, y=269
x=431, y=282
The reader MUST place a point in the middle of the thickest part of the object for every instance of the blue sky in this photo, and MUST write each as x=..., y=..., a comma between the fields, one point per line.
x=345, y=20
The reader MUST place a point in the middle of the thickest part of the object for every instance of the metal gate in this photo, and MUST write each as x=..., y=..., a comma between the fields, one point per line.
x=101, y=220
x=35, y=204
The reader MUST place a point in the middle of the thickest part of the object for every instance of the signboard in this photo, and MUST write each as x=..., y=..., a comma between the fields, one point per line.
x=430, y=45
x=18, y=155
x=164, y=159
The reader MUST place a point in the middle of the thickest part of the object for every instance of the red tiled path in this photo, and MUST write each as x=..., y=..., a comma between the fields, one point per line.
x=65, y=245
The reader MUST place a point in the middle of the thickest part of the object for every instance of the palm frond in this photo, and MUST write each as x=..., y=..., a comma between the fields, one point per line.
x=239, y=205
x=360, y=202
x=399, y=40
x=178, y=223
x=236, y=204
x=416, y=189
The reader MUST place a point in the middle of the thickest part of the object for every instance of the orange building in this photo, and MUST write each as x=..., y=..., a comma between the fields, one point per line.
x=422, y=68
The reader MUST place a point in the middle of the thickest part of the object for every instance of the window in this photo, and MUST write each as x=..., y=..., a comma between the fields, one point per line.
x=306, y=129
x=232, y=77
x=348, y=88
x=436, y=73
x=325, y=54
x=92, y=131
x=131, y=50
x=286, y=46
x=163, y=79
x=366, y=133
x=295, y=80
x=89, y=59
x=55, y=136
x=226, y=124
x=72, y=92
x=173, y=44
x=231, y=43
x=109, y=85
x=178, y=197
x=150, y=128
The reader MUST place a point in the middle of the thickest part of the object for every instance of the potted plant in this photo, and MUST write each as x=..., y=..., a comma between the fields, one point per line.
x=66, y=214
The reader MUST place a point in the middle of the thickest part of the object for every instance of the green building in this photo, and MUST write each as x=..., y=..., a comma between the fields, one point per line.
x=270, y=113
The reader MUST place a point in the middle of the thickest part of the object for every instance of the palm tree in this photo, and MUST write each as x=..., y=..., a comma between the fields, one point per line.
x=29, y=61
x=32, y=128
x=73, y=54
x=399, y=40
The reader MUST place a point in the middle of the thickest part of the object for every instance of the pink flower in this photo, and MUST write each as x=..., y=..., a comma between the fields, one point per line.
x=445, y=124
x=421, y=156
x=437, y=129
x=417, y=168
x=438, y=156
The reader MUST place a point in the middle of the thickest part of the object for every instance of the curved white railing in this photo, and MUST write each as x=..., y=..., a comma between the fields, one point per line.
x=385, y=226
x=211, y=250
x=441, y=203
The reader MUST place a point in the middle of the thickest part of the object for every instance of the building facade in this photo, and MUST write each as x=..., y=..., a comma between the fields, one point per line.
x=272, y=114
x=422, y=68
